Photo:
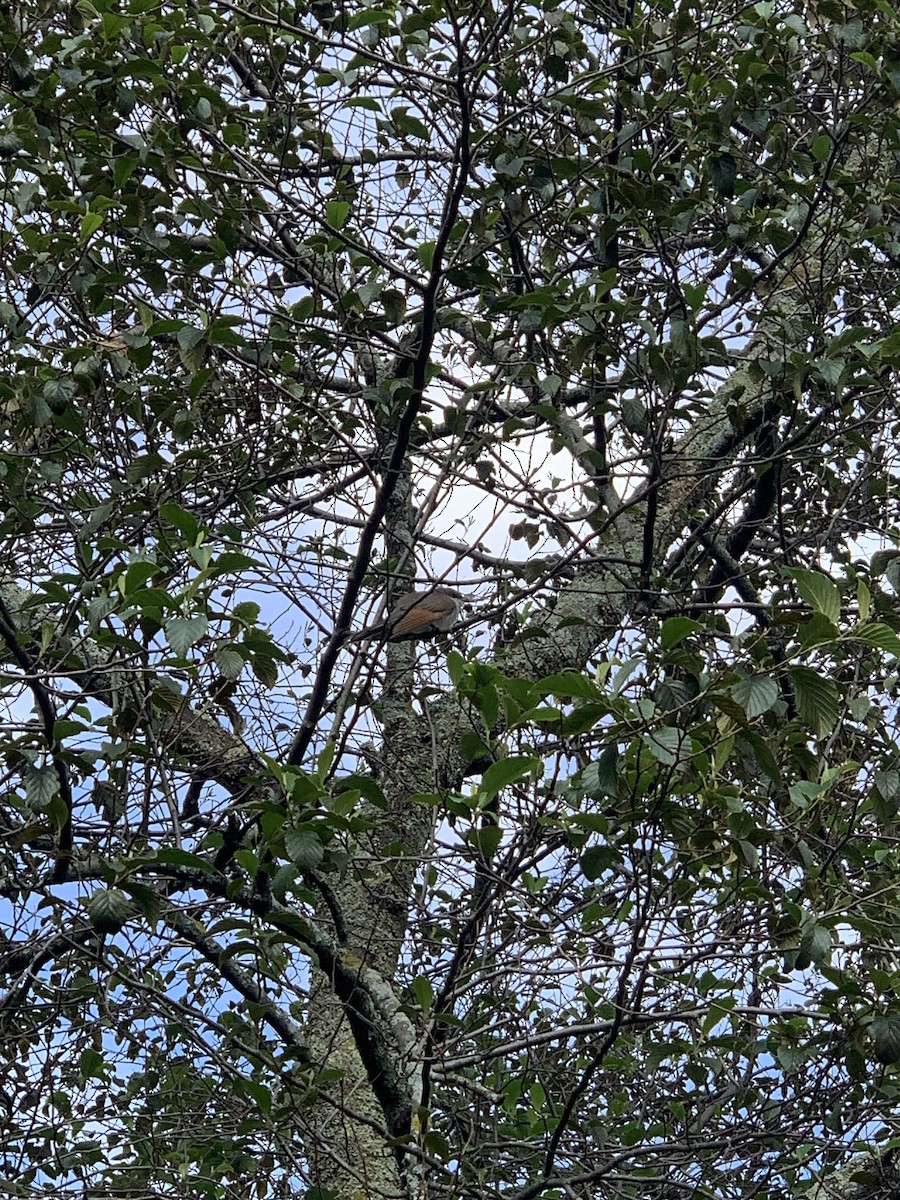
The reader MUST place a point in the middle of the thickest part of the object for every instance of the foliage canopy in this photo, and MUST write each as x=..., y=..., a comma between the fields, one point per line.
x=590, y=308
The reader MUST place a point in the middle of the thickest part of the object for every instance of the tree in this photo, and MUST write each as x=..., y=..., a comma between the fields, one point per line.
x=591, y=311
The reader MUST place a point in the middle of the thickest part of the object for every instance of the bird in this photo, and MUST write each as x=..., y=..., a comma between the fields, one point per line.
x=415, y=615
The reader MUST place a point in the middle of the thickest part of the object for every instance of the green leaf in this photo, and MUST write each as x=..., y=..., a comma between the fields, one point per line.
x=66, y=728
x=456, y=666
x=146, y=900
x=487, y=701
x=597, y=860
x=109, y=909
x=145, y=466
x=815, y=946
x=92, y=1064
x=569, y=684
x=188, y=337
x=58, y=393
x=423, y=992
x=265, y=669
x=508, y=770
x=473, y=747
x=882, y=559
x=882, y=637
x=820, y=147
x=676, y=629
x=90, y=223
x=151, y=600
x=185, y=522
x=304, y=848
x=817, y=630
x=585, y=717
x=817, y=699
x=184, y=632
x=888, y=784
x=601, y=777
x=863, y=599
x=407, y=124
x=756, y=695
x=41, y=785
x=487, y=839
x=885, y=1034
x=336, y=213
x=283, y=881
x=820, y=592
x=247, y=612
x=762, y=752
x=664, y=743
x=723, y=173
x=138, y=574
x=229, y=663
x=173, y=856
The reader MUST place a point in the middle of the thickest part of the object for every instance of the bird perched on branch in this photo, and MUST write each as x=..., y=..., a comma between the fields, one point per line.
x=417, y=615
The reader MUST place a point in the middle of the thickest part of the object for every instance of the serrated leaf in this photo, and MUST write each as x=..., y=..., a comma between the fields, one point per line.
x=664, y=744
x=58, y=393
x=265, y=669
x=151, y=600
x=247, y=612
x=885, y=1034
x=229, y=663
x=184, y=632
x=39, y=411
x=817, y=699
x=874, y=633
x=304, y=848
x=880, y=560
x=763, y=755
x=817, y=630
x=41, y=785
x=99, y=608
x=888, y=784
x=394, y=305
x=109, y=800
x=815, y=946
x=487, y=701
x=233, y=560
x=109, y=909
x=282, y=880
x=584, y=717
x=147, y=901
x=755, y=695
x=456, y=666
x=634, y=414
x=820, y=592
